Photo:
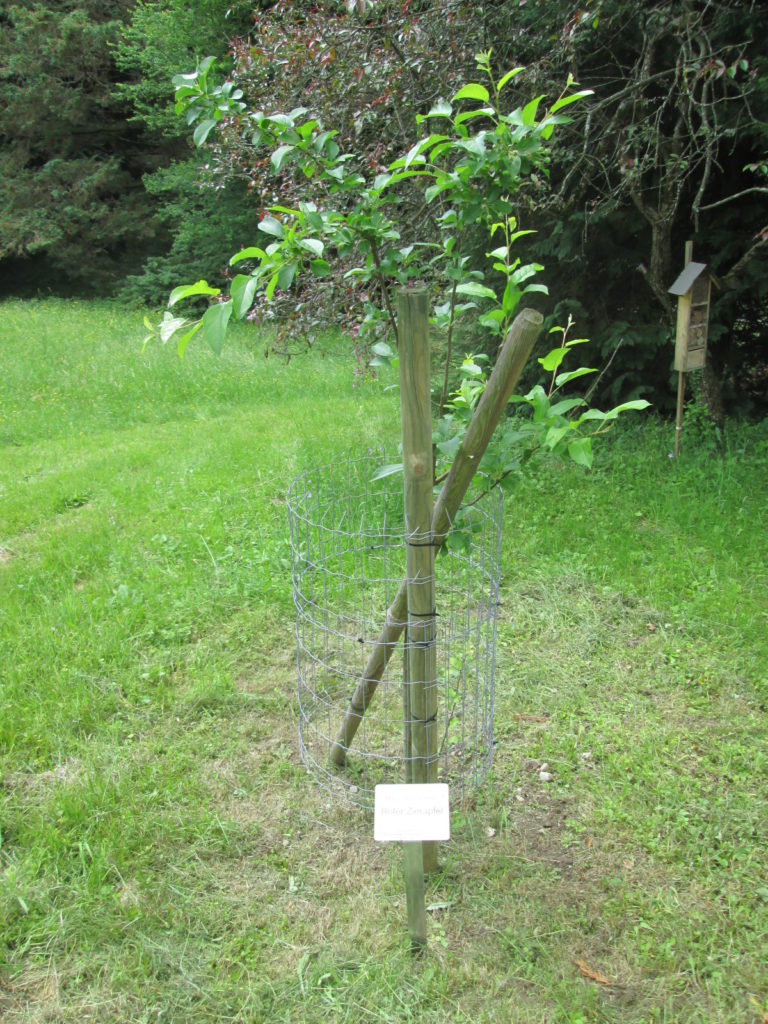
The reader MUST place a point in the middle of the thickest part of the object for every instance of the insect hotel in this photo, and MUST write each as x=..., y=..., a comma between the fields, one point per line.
x=692, y=287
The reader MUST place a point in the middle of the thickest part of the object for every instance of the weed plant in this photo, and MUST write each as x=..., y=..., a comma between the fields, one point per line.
x=164, y=856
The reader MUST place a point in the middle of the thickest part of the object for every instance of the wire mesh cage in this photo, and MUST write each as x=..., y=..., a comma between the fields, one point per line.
x=348, y=543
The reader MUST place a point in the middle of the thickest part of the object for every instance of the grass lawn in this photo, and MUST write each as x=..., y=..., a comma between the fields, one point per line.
x=163, y=854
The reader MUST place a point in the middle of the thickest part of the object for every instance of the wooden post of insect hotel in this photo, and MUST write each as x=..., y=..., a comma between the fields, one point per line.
x=692, y=287
x=421, y=679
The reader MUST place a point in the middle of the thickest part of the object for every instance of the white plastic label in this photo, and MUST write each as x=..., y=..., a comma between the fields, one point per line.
x=411, y=813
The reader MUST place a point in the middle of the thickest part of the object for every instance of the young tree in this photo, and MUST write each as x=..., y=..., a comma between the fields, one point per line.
x=476, y=156
x=473, y=164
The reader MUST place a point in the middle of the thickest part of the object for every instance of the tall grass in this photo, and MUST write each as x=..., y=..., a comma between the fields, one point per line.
x=163, y=855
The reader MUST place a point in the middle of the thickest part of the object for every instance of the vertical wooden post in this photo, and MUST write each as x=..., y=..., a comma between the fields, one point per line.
x=416, y=414
x=683, y=311
x=414, y=895
x=680, y=408
x=407, y=745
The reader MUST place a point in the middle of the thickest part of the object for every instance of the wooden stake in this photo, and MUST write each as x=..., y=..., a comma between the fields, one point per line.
x=680, y=406
x=416, y=415
x=514, y=355
x=414, y=895
x=683, y=314
x=407, y=713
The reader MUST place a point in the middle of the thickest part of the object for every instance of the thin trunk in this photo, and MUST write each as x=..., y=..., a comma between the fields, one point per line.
x=512, y=359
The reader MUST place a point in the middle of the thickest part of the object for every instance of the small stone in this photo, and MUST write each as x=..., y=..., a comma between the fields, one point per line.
x=546, y=776
x=490, y=832
x=587, y=755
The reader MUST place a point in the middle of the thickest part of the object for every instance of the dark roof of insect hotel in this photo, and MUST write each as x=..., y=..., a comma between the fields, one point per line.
x=684, y=282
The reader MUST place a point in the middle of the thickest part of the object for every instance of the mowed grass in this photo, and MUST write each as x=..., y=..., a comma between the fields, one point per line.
x=164, y=856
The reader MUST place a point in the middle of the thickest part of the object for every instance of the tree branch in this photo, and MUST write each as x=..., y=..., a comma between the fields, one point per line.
x=444, y=395
x=737, y=195
x=730, y=280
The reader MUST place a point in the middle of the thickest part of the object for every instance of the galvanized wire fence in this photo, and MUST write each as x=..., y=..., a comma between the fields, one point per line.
x=349, y=554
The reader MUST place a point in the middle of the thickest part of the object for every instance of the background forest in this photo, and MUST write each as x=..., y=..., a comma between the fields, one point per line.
x=103, y=193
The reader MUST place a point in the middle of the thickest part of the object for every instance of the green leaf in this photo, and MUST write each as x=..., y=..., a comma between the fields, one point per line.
x=272, y=226
x=561, y=408
x=185, y=339
x=538, y=398
x=412, y=153
x=242, y=290
x=637, y=404
x=547, y=126
x=202, y=131
x=251, y=253
x=552, y=359
x=390, y=470
x=450, y=447
x=287, y=210
x=470, y=115
x=184, y=291
x=270, y=289
x=320, y=268
x=472, y=91
x=592, y=414
x=508, y=77
x=529, y=110
x=457, y=541
x=580, y=451
x=563, y=378
x=476, y=289
x=493, y=318
x=526, y=272
x=214, y=324
x=565, y=101
x=434, y=190
x=381, y=348
x=285, y=275
x=279, y=157
x=313, y=245
x=441, y=109
x=180, y=80
x=169, y=325
x=555, y=435
x=536, y=288
x=474, y=145
x=511, y=297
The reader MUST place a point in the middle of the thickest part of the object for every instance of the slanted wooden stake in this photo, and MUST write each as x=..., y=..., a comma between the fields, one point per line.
x=416, y=417
x=509, y=365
